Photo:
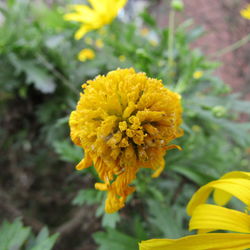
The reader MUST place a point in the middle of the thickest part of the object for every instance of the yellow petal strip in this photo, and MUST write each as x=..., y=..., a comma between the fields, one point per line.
x=212, y=241
x=221, y=197
x=237, y=187
x=212, y=217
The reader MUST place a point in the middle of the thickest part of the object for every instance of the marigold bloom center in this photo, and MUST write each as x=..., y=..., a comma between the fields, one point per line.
x=124, y=121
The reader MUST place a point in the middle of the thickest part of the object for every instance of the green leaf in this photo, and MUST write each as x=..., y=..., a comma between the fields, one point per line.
x=148, y=19
x=113, y=239
x=67, y=151
x=43, y=242
x=42, y=80
x=87, y=196
x=193, y=174
x=13, y=235
x=110, y=220
x=166, y=219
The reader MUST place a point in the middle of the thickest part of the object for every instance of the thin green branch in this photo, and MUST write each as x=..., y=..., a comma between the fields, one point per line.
x=171, y=30
x=232, y=47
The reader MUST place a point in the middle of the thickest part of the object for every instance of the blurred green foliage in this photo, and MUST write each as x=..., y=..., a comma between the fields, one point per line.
x=40, y=82
x=16, y=236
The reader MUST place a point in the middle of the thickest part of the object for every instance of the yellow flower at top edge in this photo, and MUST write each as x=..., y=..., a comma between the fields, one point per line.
x=86, y=54
x=207, y=218
x=124, y=121
x=101, y=13
x=246, y=12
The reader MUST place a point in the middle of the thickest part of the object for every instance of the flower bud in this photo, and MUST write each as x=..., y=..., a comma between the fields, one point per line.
x=177, y=5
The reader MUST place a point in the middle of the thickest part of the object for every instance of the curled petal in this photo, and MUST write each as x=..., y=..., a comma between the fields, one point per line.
x=221, y=197
x=212, y=217
x=240, y=188
x=212, y=241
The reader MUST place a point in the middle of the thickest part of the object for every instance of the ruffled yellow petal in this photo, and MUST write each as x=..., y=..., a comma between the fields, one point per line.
x=212, y=217
x=239, y=188
x=221, y=197
x=84, y=163
x=212, y=241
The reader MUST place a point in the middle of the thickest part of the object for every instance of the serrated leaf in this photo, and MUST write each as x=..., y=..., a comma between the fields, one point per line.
x=165, y=218
x=13, y=235
x=43, y=234
x=46, y=244
x=68, y=152
x=34, y=74
x=87, y=196
x=110, y=220
x=113, y=239
x=40, y=77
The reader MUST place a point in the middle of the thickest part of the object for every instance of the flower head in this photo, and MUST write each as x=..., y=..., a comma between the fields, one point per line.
x=246, y=12
x=197, y=74
x=86, y=54
x=101, y=13
x=208, y=218
x=124, y=121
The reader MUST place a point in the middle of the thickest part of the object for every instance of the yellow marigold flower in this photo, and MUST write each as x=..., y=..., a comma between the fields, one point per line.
x=99, y=43
x=124, y=121
x=207, y=217
x=197, y=74
x=86, y=54
x=101, y=13
x=246, y=12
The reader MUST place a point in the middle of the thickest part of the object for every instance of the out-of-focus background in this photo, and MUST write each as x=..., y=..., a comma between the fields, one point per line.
x=44, y=202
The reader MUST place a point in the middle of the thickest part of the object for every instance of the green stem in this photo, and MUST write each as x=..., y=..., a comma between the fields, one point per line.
x=171, y=44
x=233, y=46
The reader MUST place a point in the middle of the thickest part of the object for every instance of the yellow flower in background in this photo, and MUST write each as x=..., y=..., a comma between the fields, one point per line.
x=197, y=74
x=88, y=41
x=207, y=218
x=144, y=31
x=122, y=58
x=99, y=43
x=101, y=13
x=124, y=121
x=246, y=12
x=86, y=54
x=154, y=43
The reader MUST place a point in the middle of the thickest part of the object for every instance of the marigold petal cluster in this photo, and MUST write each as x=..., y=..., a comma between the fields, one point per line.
x=208, y=218
x=124, y=121
x=102, y=12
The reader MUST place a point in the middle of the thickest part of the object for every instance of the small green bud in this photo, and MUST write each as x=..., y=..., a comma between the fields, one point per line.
x=219, y=111
x=177, y=5
x=141, y=52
